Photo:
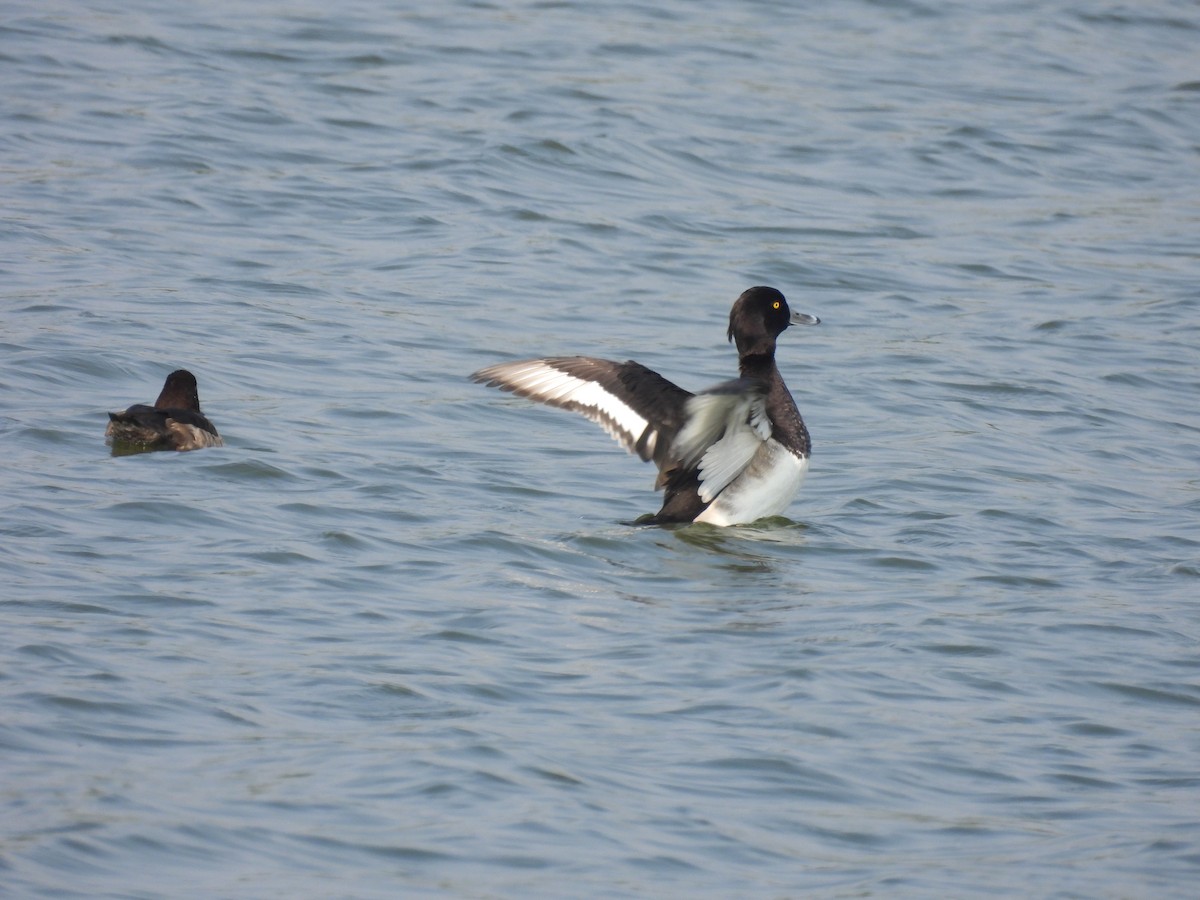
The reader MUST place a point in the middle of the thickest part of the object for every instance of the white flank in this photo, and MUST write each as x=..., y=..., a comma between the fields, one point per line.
x=765, y=488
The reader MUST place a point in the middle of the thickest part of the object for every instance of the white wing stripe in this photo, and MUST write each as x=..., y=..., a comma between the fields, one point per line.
x=542, y=382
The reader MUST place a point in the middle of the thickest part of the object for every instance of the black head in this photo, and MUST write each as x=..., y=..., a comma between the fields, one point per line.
x=179, y=392
x=758, y=317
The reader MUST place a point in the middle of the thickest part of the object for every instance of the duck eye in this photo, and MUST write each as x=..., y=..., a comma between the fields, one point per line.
x=775, y=305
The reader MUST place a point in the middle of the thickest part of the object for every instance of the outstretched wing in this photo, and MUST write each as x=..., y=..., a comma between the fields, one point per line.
x=637, y=406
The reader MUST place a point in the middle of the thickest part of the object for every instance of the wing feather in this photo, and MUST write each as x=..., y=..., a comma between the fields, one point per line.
x=706, y=440
x=636, y=405
x=725, y=427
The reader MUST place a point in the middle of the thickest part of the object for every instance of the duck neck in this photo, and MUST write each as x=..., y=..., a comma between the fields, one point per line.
x=758, y=365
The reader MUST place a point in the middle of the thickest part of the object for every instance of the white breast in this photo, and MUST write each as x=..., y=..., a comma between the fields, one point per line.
x=765, y=488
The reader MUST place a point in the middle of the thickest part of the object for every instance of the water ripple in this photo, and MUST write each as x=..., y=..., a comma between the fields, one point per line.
x=397, y=634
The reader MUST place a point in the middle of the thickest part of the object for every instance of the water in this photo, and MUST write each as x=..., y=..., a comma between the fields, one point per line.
x=394, y=639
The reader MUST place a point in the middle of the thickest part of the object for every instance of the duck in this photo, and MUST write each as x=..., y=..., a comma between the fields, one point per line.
x=729, y=455
x=173, y=422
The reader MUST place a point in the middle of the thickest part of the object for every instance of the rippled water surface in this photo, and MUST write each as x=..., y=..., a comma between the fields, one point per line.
x=395, y=638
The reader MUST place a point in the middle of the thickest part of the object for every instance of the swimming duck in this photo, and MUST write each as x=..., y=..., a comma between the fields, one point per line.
x=174, y=422
x=729, y=455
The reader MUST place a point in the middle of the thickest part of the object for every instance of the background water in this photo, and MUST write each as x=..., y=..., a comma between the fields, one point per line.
x=394, y=639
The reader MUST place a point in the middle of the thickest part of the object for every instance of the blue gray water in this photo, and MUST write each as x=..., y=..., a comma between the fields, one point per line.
x=395, y=640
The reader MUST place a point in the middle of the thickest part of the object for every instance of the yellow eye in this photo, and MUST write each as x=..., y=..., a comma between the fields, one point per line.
x=775, y=305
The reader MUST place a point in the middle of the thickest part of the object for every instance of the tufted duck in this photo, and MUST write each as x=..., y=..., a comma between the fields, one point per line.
x=174, y=422
x=726, y=456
